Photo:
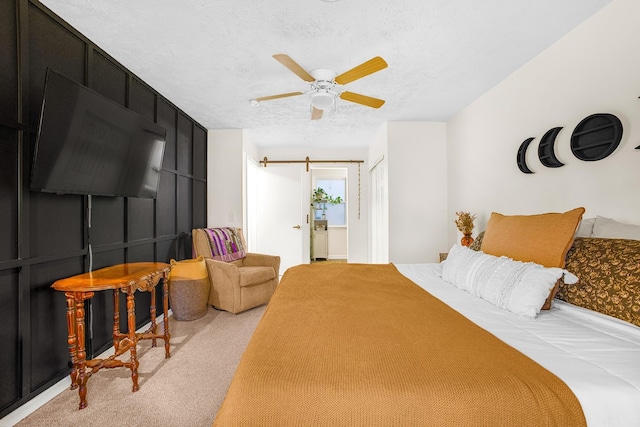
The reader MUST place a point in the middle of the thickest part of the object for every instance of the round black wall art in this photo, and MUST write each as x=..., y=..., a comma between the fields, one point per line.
x=596, y=137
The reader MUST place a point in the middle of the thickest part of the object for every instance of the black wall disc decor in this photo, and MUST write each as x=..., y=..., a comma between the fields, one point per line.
x=596, y=137
x=546, y=149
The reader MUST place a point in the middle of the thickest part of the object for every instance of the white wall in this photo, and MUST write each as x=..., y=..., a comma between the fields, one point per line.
x=378, y=147
x=594, y=69
x=415, y=160
x=417, y=191
x=225, y=180
x=338, y=243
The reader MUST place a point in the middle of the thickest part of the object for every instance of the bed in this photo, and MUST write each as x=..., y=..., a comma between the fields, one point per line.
x=358, y=344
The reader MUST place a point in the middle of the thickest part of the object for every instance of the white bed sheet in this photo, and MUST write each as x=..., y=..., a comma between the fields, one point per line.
x=597, y=356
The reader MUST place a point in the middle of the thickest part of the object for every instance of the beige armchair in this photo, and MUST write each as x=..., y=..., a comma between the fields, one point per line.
x=240, y=284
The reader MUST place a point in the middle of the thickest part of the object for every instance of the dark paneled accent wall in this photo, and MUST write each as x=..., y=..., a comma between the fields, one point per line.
x=46, y=237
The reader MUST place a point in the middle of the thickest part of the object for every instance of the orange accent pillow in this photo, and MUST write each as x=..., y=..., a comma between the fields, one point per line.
x=544, y=239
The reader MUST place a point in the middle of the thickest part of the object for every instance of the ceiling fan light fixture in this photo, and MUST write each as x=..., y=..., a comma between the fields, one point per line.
x=322, y=100
x=325, y=86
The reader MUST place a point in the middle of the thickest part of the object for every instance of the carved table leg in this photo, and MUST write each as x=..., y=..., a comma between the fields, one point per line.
x=154, y=326
x=165, y=307
x=131, y=320
x=72, y=338
x=81, y=354
x=116, y=320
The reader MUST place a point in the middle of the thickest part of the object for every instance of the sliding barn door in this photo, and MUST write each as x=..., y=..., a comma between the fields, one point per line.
x=282, y=217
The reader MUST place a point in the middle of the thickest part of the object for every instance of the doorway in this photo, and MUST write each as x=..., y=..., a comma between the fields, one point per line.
x=329, y=226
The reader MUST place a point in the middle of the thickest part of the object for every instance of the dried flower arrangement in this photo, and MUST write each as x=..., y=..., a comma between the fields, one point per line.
x=464, y=222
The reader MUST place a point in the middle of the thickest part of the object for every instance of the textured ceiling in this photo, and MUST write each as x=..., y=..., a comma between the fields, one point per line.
x=211, y=57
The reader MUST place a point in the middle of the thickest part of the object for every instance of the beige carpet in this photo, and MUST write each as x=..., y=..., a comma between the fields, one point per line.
x=184, y=390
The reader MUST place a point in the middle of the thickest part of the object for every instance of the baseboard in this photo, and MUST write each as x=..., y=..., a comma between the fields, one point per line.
x=34, y=404
x=41, y=399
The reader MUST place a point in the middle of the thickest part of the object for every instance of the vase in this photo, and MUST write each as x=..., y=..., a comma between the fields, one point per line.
x=466, y=240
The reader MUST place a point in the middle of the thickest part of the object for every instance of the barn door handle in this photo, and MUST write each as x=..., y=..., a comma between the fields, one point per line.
x=297, y=227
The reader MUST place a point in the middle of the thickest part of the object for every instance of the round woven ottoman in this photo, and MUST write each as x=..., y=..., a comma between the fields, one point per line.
x=189, y=289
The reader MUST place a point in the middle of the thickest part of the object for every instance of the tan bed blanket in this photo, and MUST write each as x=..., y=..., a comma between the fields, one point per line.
x=362, y=345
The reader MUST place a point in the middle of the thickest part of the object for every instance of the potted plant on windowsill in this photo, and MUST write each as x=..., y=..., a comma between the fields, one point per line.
x=321, y=196
x=320, y=199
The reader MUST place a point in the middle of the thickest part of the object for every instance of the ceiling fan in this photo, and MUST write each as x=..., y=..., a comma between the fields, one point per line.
x=326, y=86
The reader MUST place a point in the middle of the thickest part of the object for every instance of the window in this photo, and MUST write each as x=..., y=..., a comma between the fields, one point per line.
x=336, y=214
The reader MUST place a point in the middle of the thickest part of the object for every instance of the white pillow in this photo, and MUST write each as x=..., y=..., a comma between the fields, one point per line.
x=610, y=229
x=585, y=229
x=519, y=287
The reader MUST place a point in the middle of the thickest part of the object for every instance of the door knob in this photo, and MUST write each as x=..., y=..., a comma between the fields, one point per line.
x=296, y=226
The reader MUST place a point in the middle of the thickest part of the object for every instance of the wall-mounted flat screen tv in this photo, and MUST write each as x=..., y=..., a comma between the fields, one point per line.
x=88, y=144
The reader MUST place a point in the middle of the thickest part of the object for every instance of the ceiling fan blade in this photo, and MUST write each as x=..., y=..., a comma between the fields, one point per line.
x=282, y=95
x=294, y=67
x=362, y=99
x=362, y=70
x=316, y=113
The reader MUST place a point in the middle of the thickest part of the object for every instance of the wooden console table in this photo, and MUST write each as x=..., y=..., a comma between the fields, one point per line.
x=127, y=278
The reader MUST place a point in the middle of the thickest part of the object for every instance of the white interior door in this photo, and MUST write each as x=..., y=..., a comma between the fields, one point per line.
x=379, y=214
x=282, y=222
